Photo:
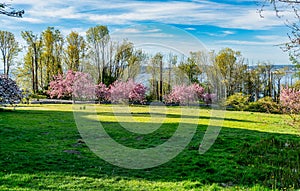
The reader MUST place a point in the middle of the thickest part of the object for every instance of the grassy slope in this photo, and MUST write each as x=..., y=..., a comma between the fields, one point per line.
x=254, y=151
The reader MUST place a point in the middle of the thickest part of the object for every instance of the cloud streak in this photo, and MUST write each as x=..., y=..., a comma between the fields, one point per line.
x=130, y=12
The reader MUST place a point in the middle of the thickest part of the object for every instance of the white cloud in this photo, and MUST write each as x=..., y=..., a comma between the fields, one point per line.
x=220, y=34
x=171, y=12
x=71, y=15
x=275, y=39
x=190, y=29
x=228, y=32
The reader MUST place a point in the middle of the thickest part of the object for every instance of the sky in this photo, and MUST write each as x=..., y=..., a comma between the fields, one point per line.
x=188, y=25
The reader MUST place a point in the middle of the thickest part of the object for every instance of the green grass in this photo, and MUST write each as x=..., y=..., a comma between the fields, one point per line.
x=42, y=149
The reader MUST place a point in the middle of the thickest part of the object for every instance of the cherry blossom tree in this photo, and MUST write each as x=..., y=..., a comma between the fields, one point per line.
x=102, y=92
x=209, y=98
x=290, y=101
x=83, y=87
x=62, y=86
x=124, y=92
x=76, y=85
x=183, y=94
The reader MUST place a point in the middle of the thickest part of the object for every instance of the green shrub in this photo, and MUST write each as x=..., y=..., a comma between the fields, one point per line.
x=37, y=96
x=296, y=85
x=266, y=105
x=238, y=101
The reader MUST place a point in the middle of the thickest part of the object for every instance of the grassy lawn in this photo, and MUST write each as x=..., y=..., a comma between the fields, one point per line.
x=42, y=149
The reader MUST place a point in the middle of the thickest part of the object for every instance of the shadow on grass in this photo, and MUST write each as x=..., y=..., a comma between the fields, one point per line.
x=145, y=114
x=49, y=142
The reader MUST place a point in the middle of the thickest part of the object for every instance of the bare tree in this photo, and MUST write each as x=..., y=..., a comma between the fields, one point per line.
x=286, y=6
x=9, y=48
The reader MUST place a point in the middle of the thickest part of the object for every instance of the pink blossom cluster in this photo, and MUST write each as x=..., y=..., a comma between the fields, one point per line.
x=184, y=94
x=72, y=84
x=290, y=100
x=80, y=85
x=127, y=92
x=102, y=92
x=209, y=98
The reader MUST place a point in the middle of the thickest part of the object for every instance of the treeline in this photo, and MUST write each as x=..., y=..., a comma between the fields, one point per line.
x=50, y=53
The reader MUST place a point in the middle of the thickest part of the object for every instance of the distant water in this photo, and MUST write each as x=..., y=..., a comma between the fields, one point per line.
x=290, y=77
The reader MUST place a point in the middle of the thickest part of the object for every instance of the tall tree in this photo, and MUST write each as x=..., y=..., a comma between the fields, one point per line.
x=34, y=49
x=98, y=37
x=231, y=64
x=52, y=52
x=172, y=60
x=155, y=68
x=122, y=58
x=9, y=48
x=191, y=68
x=75, y=51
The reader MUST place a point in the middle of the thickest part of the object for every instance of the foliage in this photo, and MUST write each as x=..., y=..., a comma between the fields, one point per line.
x=98, y=37
x=296, y=86
x=237, y=101
x=51, y=54
x=191, y=67
x=75, y=51
x=33, y=56
x=183, y=94
x=290, y=101
x=124, y=92
x=9, y=91
x=265, y=104
x=231, y=65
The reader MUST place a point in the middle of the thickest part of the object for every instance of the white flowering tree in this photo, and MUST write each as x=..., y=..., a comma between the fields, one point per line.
x=9, y=91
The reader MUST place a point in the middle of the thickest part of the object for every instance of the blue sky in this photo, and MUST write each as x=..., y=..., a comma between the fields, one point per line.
x=217, y=24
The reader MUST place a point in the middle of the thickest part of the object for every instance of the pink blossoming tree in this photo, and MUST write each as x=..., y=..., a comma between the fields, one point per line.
x=290, y=101
x=184, y=94
x=75, y=85
x=102, y=92
x=124, y=92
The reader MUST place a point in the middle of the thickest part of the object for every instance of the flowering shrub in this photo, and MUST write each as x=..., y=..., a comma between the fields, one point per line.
x=62, y=87
x=209, y=98
x=73, y=84
x=9, y=91
x=184, y=94
x=290, y=101
x=123, y=92
x=83, y=87
x=102, y=92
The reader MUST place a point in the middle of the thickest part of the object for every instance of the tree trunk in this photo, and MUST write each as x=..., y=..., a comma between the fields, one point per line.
x=161, y=81
x=32, y=71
